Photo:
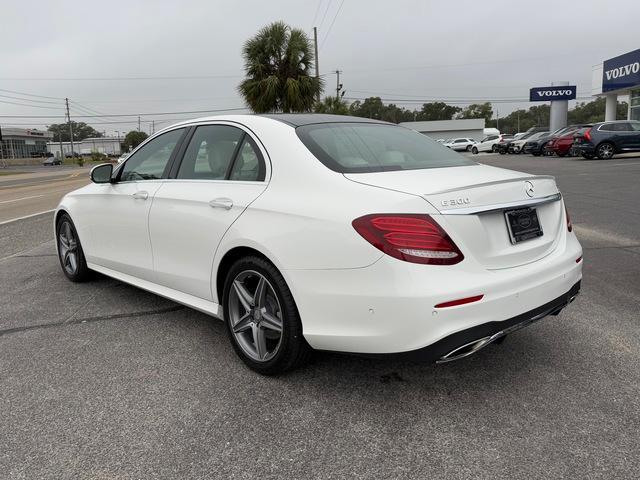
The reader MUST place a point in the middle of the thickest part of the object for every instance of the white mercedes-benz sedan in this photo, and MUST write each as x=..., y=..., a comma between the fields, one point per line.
x=326, y=232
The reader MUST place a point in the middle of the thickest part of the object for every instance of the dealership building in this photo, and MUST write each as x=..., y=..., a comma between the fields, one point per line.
x=106, y=145
x=23, y=142
x=618, y=76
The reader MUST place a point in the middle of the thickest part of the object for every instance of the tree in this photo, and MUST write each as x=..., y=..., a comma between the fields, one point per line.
x=80, y=131
x=133, y=139
x=594, y=111
x=277, y=63
x=372, y=107
x=332, y=105
x=478, y=110
x=437, y=111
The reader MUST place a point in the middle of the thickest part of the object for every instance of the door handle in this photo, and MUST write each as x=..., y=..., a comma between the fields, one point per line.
x=141, y=195
x=222, y=202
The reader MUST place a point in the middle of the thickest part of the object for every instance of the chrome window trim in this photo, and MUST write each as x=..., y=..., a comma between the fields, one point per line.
x=530, y=202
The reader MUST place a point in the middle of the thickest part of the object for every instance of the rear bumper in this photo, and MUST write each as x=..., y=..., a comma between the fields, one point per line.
x=389, y=307
x=466, y=342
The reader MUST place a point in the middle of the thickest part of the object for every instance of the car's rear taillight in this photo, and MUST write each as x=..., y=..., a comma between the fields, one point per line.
x=569, y=224
x=587, y=134
x=413, y=238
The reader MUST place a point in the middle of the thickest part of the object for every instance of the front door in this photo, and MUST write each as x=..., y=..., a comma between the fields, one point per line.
x=119, y=211
x=221, y=173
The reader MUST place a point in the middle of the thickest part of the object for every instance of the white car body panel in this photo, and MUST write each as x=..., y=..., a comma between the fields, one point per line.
x=350, y=295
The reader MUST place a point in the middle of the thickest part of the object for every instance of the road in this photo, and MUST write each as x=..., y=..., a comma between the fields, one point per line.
x=102, y=380
x=39, y=190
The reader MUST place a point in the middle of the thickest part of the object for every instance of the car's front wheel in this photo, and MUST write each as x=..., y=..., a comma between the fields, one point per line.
x=262, y=318
x=605, y=151
x=70, y=252
x=474, y=150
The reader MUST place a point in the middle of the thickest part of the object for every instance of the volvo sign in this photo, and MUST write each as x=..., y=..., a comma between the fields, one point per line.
x=621, y=72
x=545, y=94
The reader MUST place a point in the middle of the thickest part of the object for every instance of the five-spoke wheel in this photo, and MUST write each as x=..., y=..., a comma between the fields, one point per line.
x=262, y=318
x=255, y=315
x=70, y=251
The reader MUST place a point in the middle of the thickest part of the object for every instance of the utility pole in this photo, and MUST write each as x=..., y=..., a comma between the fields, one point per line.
x=60, y=141
x=338, y=85
x=518, y=122
x=497, y=119
x=153, y=127
x=315, y=46
x=138, y=122
x=70, y=128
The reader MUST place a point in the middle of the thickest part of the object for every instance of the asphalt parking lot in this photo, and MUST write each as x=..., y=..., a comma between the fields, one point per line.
x=102, y=380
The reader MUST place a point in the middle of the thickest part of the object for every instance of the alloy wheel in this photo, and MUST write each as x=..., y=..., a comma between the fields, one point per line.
x=255, y=316
x=68, y=248
x=605, y=151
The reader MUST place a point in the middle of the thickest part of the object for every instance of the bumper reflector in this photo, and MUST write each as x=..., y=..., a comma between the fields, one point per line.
x=460, y=301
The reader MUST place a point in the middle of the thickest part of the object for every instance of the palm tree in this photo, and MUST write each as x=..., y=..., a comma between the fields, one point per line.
x=278, y=63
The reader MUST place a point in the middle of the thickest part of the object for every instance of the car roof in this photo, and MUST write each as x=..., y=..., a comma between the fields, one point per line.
x=300, y=119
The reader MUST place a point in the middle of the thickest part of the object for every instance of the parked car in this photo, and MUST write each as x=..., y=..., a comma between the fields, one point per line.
x=605, y=139
x=490, y=143
x=52, y=161
x=562, y=143
x=460, y=144
x=417, y=250
x=517, y=146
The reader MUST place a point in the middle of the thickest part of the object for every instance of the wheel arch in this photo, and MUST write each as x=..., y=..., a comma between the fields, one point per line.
x=228, y=259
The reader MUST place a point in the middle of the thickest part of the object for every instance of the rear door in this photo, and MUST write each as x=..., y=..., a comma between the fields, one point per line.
x=222, y=171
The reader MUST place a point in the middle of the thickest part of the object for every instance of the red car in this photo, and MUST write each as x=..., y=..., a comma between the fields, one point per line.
x=562, y=145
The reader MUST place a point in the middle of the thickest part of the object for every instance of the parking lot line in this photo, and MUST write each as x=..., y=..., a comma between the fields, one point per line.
x=21, y=198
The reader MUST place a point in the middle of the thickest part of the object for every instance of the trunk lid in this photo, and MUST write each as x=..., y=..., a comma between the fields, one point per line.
x=472, y=201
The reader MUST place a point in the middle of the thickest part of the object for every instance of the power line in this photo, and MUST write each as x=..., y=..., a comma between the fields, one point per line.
x=325, y=13
x=92, y=79
x=315, y=16
x=31, y=106
x=31, y=94
x=454, y=102
x=332, y=22
x=132, y=114
x=31, y=100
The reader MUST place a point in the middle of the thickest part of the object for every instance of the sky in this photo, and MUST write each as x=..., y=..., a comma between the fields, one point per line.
x=152, y=57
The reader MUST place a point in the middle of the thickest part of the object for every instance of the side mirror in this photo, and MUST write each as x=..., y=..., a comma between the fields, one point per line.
x=102, y=173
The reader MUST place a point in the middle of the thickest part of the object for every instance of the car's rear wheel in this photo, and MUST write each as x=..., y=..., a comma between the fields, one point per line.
x=605, y=151
x=494, y=148
x=70, y=252
x=468, y=148
x=474, y=150
x=262, y=318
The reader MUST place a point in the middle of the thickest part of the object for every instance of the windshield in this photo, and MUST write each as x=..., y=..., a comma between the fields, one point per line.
x=368, y=147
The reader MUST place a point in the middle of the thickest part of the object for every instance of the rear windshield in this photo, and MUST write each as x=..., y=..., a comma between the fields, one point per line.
x=367, y=147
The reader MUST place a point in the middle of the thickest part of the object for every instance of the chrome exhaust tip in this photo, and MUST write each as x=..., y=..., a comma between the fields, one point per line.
x=470, y=348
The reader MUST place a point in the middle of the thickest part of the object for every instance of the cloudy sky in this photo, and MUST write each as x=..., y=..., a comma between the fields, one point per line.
x=150, y=57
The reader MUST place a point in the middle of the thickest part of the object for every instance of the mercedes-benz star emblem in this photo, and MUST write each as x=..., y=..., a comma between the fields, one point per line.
x=528, y=187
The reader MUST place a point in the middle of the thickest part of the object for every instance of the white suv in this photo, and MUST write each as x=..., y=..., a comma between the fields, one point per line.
x=490, y=143
x=460, y=144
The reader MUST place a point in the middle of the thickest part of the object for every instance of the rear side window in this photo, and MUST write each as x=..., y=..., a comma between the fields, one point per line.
x=366, y=147
x=248, y=165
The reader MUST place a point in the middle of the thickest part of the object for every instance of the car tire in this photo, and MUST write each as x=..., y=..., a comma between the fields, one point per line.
x=70, y=252
x=605, y=151
x=535, y=154
x=494, y=148
x=588, y=156
x=252, y=318
x=561, y=154
x=474, y=150
x=502, y=151
x=468, y=148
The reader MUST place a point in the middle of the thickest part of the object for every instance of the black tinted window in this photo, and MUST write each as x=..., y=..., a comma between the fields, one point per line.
x=151, y=160
x=210, y=152
x=366, y=147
